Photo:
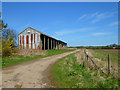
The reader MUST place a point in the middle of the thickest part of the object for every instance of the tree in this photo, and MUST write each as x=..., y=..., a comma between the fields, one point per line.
x=9, y=37
x=8, y=41
x=113, y=45
x=2, y=25
x=7, y=33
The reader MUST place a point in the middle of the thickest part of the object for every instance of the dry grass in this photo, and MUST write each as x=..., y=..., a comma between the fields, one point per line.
x=28, y=52
x=80, y=56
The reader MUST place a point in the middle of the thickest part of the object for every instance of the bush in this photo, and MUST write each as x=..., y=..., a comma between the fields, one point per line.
x=7, y=46
x=5, y=49
x=117, y=47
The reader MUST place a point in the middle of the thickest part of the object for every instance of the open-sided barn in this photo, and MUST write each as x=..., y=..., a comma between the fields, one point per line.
x=33, y=39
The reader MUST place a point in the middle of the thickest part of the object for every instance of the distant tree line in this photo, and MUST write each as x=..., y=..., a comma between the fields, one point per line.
x=111, y=46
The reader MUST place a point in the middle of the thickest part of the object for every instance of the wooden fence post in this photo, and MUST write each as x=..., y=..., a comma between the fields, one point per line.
x=85, y=58
x=85, y=54
x=108, y=64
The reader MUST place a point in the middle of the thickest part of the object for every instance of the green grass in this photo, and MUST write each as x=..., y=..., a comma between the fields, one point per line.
x=16, y=59
x=67, y=73
x=103, y=55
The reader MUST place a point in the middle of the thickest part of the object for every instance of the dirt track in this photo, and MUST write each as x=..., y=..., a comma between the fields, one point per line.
x=32, y=74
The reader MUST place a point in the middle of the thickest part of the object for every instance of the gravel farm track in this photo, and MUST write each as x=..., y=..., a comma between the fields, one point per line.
x=31, y=74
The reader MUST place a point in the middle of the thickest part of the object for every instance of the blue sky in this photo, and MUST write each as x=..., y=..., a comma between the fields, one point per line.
x=78, y=24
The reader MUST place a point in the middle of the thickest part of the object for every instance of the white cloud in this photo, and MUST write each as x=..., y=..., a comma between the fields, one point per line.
x=100, y=33
x=67, y=31
x=100, y=16
x=96, y=16
x=82, y=17
x=113, y=24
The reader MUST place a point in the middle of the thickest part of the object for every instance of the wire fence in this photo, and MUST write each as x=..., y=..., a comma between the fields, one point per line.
x=91, y=63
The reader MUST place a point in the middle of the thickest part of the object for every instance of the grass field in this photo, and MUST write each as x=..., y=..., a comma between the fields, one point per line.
x=112, y=50
x=103, y=55
x=68, y=73
x=16, y=59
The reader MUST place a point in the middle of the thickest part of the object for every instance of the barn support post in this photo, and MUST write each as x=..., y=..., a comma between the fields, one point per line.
x=56, y=44
x=60, y=45
x=41, y=42
x=48, y=43
x=44, y=42
x=51, y=43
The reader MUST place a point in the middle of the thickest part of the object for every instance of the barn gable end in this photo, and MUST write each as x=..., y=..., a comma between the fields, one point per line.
x=29, y=39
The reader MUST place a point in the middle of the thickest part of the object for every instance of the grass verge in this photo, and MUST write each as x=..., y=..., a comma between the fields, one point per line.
x=67, y=73
x=16, y=59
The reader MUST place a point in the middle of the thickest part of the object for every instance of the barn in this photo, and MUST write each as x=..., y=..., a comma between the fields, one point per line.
x=34, y=39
